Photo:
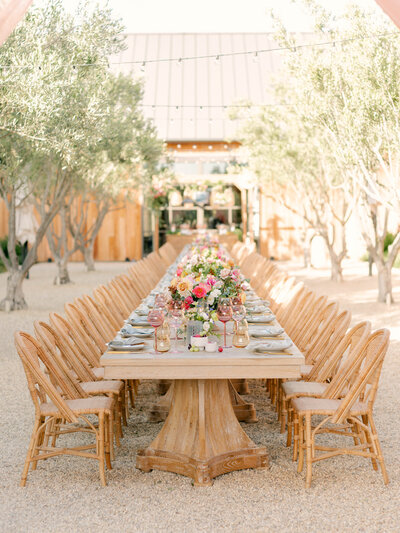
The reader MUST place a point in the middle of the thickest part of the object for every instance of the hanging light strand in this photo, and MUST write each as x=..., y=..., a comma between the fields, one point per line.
x=218, y=56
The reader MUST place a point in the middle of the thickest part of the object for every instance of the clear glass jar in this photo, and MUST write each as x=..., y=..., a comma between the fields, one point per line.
x=163, y=337
x=241, y=337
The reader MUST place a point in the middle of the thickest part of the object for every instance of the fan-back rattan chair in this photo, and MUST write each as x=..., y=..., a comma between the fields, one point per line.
x=51, y=408
x=353, y=405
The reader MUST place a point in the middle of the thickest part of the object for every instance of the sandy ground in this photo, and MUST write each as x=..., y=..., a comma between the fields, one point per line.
x=64, y=494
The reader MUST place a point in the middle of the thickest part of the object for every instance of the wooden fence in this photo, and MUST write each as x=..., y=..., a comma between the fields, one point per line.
x=120, y=236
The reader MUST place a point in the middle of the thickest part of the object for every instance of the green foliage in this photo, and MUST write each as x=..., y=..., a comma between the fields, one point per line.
x=68, y=125
x=4, y=247
x=389, y=238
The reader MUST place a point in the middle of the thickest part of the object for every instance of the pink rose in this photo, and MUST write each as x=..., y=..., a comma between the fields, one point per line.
x=200, y=291
x=179, y=271
x=188, y=302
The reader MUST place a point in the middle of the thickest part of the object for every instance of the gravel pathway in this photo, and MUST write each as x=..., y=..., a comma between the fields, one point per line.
x=64, y=494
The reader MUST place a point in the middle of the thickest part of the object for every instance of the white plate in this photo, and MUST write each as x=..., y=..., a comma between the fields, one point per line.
x=260, y=319
x=273, y=345
x=265, y=331
x=131, y=349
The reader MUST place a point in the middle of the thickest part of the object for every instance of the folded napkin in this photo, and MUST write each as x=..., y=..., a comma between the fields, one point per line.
x=128, y=331
x=143, y=310
x=273, y=345
x=265, y=331
x=261, y=319
x=258, y=309
x=138, y=321
x=130, y=344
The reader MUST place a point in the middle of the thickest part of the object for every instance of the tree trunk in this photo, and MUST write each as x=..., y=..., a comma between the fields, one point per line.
x=336, y=267
x=336, y=262
x=14, y=296
x=88, y=257
x=62, y=277
x=384, y=283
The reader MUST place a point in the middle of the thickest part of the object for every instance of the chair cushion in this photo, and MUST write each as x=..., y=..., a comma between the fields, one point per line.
x=324, y=406
x=85, y=406
x=303, y=388
x=102, y=387
x=317, y=406
x=305, y=369
x=98, y=372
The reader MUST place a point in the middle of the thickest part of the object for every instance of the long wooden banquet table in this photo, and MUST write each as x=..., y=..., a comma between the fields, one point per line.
x=201, y=437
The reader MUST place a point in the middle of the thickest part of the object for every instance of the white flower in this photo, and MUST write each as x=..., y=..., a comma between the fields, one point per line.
x=204, y=315
x=206, y=326
x=218, y=284
x=245, y=286
x=224, y=273
x=210, y=299
x=215, y=293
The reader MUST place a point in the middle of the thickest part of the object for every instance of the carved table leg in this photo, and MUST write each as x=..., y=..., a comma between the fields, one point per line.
x=160, y=409
x=163, y=385
x=201, y=437
x=241, y=386
x=244, y=411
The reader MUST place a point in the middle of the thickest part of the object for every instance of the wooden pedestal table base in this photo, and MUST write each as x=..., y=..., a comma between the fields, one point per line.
x=245, y=412
x=201, y=437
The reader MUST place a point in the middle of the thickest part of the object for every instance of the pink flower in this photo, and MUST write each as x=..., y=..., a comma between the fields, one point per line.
x=201, y=290
x=235, y=273
x=188, y=302
x=211, y=280
x=179, y=271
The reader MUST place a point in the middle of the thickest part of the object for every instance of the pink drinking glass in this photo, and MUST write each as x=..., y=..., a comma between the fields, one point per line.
x=155, y=318
x=224, y=313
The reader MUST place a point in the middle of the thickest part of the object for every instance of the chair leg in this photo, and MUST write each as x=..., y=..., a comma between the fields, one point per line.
x=111, y=431
x=123, y=398
x=300, y=444
x=295, y=436
x=367, y=422
x=289, y=424
x=131, y=393
x=283, y=411
x=108, y=437
x=101, y=454
x=309, y=451
x=30, y=452
x=378, y=449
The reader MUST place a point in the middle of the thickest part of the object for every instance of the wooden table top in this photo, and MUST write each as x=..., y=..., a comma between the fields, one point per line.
x=231, y=363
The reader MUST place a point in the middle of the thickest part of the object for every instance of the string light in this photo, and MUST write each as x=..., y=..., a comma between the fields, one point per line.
x=217, y=57
x=224, y=106
x=143, y=66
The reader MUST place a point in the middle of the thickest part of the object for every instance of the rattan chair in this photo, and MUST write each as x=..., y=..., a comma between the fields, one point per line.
x=51, y=409
x=66, y=359
x=108, y=307
x=341, y=349
x=349, y=414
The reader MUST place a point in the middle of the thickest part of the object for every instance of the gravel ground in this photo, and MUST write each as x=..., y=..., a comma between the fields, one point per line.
x=64, y=494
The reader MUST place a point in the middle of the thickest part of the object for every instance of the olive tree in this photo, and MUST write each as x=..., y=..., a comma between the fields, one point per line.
x=54, y=65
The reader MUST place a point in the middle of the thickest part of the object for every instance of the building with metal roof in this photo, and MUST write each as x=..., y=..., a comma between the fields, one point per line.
x=191, y=79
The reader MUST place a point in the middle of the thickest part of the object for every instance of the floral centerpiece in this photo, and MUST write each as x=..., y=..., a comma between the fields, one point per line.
x=202, y=277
